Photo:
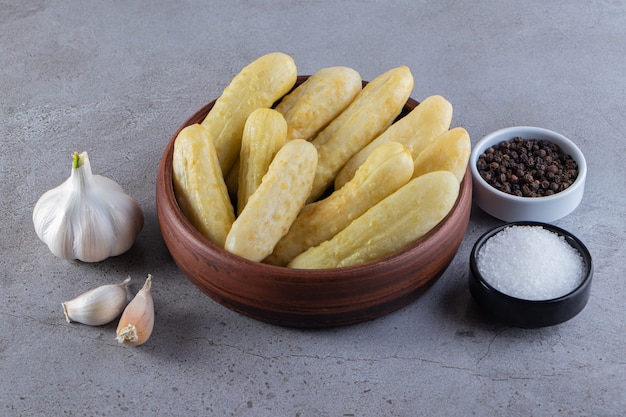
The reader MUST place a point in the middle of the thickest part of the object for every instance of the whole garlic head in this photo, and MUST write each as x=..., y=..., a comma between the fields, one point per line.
x=88, y=217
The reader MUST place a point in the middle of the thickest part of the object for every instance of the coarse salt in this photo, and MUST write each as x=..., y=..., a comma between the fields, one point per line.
x=530, y=263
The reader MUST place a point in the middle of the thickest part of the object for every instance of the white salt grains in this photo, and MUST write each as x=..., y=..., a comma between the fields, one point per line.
x=531, y=263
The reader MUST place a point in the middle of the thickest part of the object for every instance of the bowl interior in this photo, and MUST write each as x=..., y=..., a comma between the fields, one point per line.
x=307, y=298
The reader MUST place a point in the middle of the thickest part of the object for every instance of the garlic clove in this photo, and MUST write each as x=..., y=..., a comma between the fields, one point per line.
x=137, y=321
x=97, y=306
x=87, y=217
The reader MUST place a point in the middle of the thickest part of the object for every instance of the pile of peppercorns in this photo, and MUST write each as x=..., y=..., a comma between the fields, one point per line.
x=527, y=167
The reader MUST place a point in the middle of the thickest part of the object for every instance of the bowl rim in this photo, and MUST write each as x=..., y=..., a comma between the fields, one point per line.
x=573, y=150
x=332, y=274
x=570, y=238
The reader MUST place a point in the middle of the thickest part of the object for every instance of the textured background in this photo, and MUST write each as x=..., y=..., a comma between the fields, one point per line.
x=117, y=78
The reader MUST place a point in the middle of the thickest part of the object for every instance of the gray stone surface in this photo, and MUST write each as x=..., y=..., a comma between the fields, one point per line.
x=117, y=79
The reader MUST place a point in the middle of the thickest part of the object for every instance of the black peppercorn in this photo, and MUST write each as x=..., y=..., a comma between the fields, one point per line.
x=527, y=167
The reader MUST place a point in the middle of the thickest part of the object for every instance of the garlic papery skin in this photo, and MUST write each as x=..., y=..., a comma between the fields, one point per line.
x=87, y=217
x=98, y=306
x=137, y=321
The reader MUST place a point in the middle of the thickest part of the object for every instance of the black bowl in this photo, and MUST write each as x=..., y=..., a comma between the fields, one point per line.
x=530, y=313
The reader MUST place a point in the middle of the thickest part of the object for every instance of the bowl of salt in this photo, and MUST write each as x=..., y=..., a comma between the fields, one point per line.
x=530, y=274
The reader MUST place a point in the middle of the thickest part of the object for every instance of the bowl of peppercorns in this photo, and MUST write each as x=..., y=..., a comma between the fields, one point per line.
x=527, y=173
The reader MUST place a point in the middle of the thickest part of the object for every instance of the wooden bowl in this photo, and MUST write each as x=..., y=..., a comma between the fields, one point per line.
x=314, y=297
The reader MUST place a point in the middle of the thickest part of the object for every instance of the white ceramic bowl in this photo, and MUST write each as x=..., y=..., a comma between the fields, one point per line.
x=512, y=208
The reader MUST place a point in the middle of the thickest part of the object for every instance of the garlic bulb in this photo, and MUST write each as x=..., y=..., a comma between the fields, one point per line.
x=137, y=321
x=88, y=217
x=97, y=306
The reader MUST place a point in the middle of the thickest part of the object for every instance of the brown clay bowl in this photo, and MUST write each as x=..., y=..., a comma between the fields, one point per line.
x=315, y=297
